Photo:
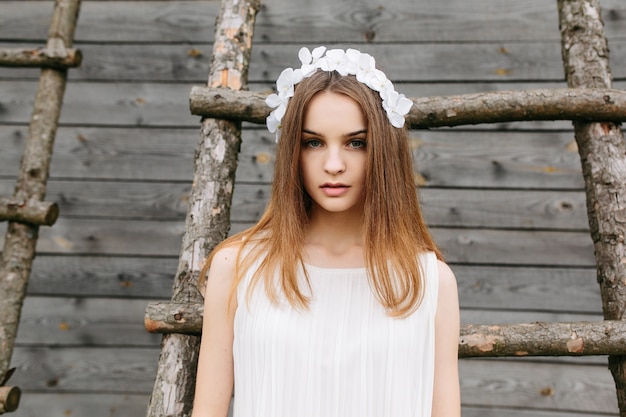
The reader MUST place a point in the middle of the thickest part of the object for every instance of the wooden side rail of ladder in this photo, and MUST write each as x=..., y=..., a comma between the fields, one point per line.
x=26, y=210
x=208, y=216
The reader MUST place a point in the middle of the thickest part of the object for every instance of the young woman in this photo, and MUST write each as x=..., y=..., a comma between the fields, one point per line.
x=337, y=302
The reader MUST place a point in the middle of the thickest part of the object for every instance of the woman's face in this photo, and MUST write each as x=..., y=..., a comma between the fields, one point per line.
x=333, y=153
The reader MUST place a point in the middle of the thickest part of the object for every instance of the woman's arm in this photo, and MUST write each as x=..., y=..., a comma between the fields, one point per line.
x=446, y=393
x=214, y=380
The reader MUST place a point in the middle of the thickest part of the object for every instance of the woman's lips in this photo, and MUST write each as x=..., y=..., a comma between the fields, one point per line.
x=334, y=190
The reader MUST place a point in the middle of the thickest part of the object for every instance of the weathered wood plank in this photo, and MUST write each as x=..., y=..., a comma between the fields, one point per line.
x=63, y=321
x=504, y=159
x=495, y=208
x=516, y=247
x=84, y=322
x=537, y=386
x=405, y=20
x=529, y=289
x=443, y=158
x=473, y=411
x=124, y=405
x=467, y=246
x=502, y=316
x=112, y=237
x=103, y=276
x=301, y=21
x=501, y=208
x=122, y=200
x=518, y=61
x=103, y=369
x=134, y=104
x=85, y=404
x=155, y=155
x=480, y=287
x=495, y=383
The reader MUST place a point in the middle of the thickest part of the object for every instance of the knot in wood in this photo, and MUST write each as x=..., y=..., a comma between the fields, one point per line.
x=464, y=240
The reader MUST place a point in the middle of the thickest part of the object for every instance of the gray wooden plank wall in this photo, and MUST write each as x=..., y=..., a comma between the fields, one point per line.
x=504, y=201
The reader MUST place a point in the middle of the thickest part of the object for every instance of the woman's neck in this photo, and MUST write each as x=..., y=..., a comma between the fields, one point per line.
x=334, y=240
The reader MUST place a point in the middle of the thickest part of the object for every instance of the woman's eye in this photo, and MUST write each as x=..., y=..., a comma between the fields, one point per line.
x=313, y=143
x=356, y=144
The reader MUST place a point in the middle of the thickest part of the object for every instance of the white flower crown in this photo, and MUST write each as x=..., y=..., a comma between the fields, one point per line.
x=349, y=62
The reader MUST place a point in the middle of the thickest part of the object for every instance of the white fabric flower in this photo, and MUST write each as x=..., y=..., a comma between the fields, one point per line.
x=309, y=59
x=332, y=60
x=273, y=122
x=397, y=106
x=377, y=81
x=286, y=81
x=279, y=103
x=364, y=64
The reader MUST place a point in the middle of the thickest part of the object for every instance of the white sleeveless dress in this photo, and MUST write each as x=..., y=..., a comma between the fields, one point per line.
x=344, y=357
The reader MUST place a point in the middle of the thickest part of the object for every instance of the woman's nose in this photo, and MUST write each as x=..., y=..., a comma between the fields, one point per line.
x=334, y=163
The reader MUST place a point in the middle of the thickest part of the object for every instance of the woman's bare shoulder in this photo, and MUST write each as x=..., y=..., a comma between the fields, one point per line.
x=447, y=280
x=224, y=260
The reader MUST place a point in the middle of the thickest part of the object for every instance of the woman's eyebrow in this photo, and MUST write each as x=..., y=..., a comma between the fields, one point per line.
x=355, y=133
x=310, y=132
x=358, y=132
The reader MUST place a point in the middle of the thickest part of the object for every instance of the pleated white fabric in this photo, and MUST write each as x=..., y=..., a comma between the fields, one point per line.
x=344, y=357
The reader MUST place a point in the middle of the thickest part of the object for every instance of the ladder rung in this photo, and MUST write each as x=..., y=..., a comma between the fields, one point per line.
x=589, y=104
x=606, y=337
x=40, y=58
x=32, y=212
x=9, y=399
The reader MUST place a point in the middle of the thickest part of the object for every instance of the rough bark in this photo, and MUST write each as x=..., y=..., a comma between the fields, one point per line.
x=492, y=107
x=208, y=216
x=33, y=212
x=603, y=157
x=544, y=339
x=20, y=241
x=163, y=317
x=40, y=58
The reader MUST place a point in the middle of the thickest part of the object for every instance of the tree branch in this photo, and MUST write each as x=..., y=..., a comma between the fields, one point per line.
x=40, y=57
x=602, y=151
x=526, y=339
x=32, y=212
x=9, y=398
x=21, y=239
x=208, y=215
x=544, y=339
x=494, y=107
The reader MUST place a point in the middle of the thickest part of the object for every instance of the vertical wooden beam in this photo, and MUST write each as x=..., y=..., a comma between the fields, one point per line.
x=208, y=216
x=603, y=156
x=21, y=239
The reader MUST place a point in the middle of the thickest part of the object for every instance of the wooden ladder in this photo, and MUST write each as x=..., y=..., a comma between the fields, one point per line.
x=207, y=220
x=26, y=210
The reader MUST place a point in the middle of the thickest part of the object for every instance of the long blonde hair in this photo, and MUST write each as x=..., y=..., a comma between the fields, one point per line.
x=394, y=232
